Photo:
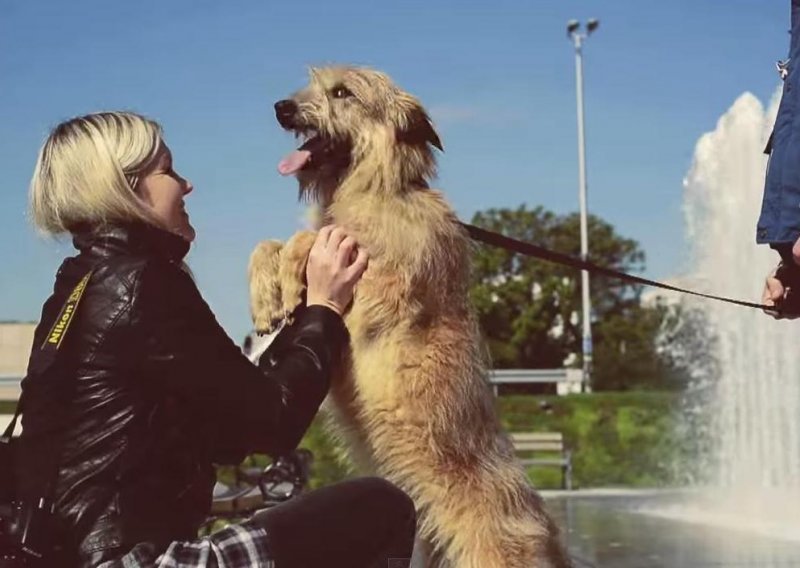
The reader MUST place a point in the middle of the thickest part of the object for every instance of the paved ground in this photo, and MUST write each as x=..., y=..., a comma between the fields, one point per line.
x=616, y=529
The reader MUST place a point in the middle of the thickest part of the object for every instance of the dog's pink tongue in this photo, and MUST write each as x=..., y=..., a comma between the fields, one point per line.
x=294, y=162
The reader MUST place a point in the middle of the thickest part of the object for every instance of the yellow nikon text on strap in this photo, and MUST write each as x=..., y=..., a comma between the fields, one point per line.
x=64, y=318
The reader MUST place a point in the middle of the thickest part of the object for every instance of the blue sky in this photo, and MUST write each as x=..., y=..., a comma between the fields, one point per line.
x=497, y=76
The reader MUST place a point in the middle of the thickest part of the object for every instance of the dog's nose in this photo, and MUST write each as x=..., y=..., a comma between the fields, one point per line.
x=285, y=111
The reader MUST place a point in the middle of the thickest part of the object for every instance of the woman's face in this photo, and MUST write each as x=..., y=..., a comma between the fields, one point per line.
x=163, y=190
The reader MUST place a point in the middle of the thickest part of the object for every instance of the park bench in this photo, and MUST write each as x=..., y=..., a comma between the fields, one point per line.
x=256, y=488
x=527, y=446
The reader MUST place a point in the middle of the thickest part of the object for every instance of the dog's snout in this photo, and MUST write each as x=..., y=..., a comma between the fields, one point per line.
x=285, y=111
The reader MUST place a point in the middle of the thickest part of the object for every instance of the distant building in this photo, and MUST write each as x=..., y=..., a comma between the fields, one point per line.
x=16, y=339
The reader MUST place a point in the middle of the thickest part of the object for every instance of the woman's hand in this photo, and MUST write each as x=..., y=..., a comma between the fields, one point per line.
x=335, y=264
x=774, y=293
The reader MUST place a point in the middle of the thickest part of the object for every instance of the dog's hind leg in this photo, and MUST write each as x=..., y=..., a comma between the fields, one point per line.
x=265, y=290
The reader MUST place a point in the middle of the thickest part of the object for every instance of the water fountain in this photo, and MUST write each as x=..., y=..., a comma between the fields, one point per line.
x=755, y=403
x=744, y=506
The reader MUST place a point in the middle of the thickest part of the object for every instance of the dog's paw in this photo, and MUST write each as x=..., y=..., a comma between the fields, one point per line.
x=265, y=289
x=292, y=270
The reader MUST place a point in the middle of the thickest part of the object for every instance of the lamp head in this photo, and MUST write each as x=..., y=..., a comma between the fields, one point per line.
x=572, y=27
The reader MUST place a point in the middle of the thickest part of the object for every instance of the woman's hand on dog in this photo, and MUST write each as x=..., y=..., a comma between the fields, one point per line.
x=335, y=264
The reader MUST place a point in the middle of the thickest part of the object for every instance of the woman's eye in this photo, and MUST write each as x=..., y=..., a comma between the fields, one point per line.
x=341, y=92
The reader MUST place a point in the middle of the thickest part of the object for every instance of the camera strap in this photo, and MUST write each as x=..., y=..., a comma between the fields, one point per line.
x=32, y=527
x=52, y=343
x=13, y=424
x=49, y=350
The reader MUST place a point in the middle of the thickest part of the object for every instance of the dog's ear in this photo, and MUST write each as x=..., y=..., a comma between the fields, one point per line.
x=314, y=74
x=418, y=129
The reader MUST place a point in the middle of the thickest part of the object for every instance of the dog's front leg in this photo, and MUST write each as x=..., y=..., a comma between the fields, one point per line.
x=266, y=303
x=292, y=270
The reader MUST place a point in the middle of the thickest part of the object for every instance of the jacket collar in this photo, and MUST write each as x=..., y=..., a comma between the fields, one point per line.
x=110, y=240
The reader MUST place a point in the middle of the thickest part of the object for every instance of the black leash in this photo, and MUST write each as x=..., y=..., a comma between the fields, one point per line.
x=528, y=249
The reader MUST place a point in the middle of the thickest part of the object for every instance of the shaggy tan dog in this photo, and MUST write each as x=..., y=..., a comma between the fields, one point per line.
x=413, y=404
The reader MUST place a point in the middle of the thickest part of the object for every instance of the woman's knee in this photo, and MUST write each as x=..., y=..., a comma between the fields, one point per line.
x=391, y=499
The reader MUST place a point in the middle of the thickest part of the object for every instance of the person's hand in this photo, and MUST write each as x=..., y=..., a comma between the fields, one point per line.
x=774, y=294
x=335, y=264
x=796, y=252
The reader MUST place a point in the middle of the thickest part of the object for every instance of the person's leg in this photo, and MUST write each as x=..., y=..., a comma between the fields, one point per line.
x=357, y=523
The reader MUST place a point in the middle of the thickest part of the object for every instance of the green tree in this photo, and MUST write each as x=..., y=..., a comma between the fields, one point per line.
x=529, y=309
x=628, y=353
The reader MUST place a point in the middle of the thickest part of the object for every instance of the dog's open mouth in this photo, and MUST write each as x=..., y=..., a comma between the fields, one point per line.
x=316, y=151
x=302, y=157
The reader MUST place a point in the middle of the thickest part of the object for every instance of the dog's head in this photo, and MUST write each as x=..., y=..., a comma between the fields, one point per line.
x=350, y=116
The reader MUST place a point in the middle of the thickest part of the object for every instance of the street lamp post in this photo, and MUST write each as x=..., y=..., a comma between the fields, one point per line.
x=578, y=37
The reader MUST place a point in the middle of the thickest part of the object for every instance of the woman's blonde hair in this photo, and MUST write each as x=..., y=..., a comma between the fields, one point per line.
x=87, y=171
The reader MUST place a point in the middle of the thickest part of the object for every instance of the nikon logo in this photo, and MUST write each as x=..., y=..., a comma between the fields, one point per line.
x=61, y=324
x=58, y=330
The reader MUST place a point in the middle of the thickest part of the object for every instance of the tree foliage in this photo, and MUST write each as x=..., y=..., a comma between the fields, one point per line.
x=530, y=309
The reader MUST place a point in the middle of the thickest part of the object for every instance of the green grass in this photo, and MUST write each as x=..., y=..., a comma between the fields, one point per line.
x=617, y=439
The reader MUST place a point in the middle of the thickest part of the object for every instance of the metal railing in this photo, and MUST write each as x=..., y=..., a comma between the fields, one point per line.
x=570, y=379
x=10, y=387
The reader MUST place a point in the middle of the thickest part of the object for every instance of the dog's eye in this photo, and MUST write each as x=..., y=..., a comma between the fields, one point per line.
x=341, y=92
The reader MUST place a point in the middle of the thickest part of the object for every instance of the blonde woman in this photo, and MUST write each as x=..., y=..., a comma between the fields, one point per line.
x=146, y=391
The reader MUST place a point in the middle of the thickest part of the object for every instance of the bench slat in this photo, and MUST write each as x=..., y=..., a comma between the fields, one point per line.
x=536, y=461
x=537, y=436
x=243, y=500
x=548, y=442
x=539, y=447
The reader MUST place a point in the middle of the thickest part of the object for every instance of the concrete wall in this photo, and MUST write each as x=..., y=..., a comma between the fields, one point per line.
x=15, y=347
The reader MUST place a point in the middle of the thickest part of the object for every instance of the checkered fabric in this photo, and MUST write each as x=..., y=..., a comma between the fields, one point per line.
x=235, y=546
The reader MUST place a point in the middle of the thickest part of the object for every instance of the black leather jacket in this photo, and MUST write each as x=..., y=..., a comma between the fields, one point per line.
x=156, y=394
